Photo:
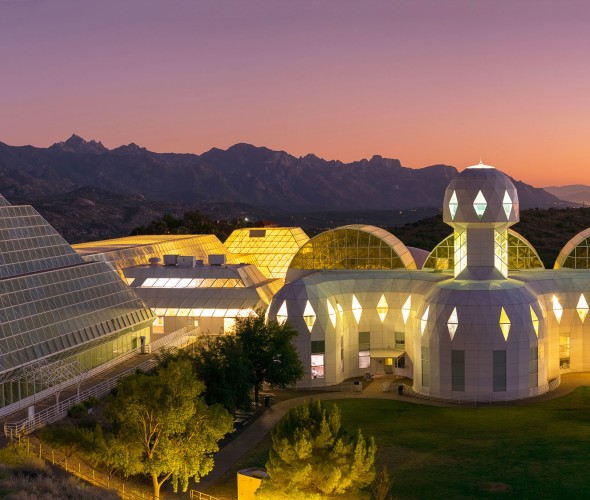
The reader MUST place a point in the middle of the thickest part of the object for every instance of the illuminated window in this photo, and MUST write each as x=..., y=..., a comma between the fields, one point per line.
x=331, y=313
x=357, y=310
x=453, y=205
x=228, y=324
x=504, y=324
x=460, y=246
x=424, y=320
x=318, y=348
x=557, y=309
x=407, y=308
x=535, y=321
x=582, y=308
x=364, y=359
x=507, y=204
x=480, y=204
x=564, y=351
x=309, y=316
x=382, y=308
x=364, y=341
x=453, y=323
x=317, y=366
x=282, y=313
x=501, y=252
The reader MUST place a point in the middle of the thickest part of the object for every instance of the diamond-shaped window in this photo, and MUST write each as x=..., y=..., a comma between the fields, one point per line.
x=424, y=320
x=309, y=316
x=282, y=314
x=331, y=313
x=504, y=323
x=535, y=320
x=480, y=204
x=453, y=205
x=557, y=309
x=582, y=308
x=507, y=204
x=453, y=323
x=407, y=308
x=382, y=308
x=357, y=309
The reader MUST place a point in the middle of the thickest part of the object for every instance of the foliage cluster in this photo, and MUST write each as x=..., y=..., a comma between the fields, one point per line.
x=160, y=427
x=24, y=477
x=312, y=455
x=232, y=366
x=192, y=223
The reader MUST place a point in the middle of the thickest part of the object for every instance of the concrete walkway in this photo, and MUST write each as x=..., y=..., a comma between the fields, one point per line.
x=253, y=434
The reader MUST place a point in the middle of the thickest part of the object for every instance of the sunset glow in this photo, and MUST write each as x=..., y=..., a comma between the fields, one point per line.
x=425, y=82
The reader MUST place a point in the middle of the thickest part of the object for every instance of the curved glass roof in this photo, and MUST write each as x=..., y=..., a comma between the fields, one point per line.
x=521, y=254
x=576, y=252
x=356, y=246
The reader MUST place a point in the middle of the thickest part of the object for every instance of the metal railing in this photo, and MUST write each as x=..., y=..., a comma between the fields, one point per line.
x=82, y=470
x=60, y=410
x=198, y=495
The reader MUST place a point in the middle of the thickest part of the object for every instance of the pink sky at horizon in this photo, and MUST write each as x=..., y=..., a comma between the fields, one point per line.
x=424, y=82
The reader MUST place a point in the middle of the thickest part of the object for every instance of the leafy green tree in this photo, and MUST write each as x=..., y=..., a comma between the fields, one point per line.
x=222, y=365
x=270, y=350
x=312, y=456
x=168, y=430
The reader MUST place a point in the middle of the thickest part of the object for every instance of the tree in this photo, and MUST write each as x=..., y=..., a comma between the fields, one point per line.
x=167, y=429
x=220, y=362
x=312, y=456
x=382, y=484
x=270, y=350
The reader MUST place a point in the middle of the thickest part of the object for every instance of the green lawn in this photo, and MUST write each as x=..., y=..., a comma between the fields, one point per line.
x=539, y=450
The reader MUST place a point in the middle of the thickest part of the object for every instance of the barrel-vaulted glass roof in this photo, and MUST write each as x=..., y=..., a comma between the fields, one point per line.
x=576, y=252
x=521, y=254
x=355, y=246
x=136, y=250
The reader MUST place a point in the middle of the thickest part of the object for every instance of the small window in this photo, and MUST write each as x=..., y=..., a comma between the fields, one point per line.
x=364, y=341
x=317, y=366
x=400, y=340
x=257, y=233
x=364, y=359
x=458, y=371
x=318, y=346
x=499, y=371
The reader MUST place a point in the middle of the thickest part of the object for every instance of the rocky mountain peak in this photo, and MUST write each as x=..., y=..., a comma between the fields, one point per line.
x=76, y=144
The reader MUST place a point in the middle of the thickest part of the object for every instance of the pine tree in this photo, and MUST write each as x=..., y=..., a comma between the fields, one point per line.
x=312, y=455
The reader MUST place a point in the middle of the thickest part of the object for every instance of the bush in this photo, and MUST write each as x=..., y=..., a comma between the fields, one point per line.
x=78, y=411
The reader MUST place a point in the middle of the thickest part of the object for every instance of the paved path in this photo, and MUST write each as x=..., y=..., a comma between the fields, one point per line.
x=253, y=434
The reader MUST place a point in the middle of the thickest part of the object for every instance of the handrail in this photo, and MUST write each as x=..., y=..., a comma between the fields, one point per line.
x=83, y=471
x=199, y=495
x=60, y=410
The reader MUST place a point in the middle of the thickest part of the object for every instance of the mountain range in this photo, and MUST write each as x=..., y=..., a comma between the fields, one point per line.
x=242, y=174
x=575, y=193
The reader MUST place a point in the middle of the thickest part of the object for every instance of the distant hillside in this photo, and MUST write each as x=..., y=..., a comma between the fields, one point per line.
x=575, y=193
x=547, y=230
x=241, y=174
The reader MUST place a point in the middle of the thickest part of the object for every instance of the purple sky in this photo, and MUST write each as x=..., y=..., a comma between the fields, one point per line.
x=426, y=82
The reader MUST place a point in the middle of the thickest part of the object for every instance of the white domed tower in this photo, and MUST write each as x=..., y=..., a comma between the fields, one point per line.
x=478, y=333
x=480, y=204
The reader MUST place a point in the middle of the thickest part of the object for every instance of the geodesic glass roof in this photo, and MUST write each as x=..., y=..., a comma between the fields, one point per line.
x=273, y=247
x=521, y=254
x=355, y=246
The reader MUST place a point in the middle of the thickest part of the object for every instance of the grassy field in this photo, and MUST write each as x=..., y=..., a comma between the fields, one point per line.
x=538, y=451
